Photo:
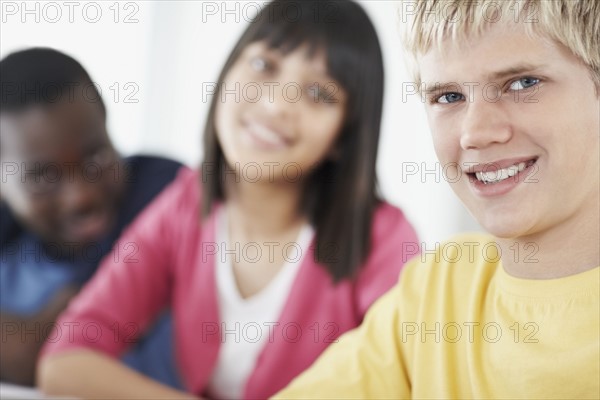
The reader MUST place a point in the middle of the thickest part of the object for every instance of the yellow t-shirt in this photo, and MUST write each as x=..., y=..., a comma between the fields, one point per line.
x=458, y=326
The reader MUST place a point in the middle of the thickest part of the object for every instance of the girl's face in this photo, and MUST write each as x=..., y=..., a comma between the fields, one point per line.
x=278, y=115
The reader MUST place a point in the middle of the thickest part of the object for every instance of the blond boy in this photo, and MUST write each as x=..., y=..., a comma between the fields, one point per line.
x=511, y=90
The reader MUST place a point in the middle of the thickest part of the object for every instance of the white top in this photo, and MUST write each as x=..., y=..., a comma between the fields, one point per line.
x=247, y=324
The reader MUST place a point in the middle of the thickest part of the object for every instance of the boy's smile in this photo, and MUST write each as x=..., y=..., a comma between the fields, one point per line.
x=519, y=117
x=499, y=177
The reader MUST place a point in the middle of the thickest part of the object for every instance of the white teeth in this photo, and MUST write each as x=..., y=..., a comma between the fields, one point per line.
x=266, y=134
x=500, y=174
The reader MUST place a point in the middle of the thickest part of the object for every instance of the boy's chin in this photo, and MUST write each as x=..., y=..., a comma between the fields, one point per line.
x=502, y=228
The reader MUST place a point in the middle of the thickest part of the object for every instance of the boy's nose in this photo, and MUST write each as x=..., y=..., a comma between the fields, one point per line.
x=485, y=123
x=79, y=193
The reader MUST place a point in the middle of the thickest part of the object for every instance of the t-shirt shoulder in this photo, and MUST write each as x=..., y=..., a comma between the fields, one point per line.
x=463, y=264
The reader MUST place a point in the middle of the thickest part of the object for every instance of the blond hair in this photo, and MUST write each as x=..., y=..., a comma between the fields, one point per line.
x=572, y=23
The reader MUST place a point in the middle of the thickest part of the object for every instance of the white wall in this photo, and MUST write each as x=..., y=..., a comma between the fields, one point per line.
x=167, y=49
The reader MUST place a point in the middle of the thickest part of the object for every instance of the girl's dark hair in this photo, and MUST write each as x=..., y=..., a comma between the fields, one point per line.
x=340, y=195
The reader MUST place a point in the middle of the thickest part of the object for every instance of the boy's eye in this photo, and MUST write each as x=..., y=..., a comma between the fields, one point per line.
x=449, y=98
x=104, y=156
x=524, y=83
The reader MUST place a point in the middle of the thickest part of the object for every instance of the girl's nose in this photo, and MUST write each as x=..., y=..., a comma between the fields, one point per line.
x=281, y=101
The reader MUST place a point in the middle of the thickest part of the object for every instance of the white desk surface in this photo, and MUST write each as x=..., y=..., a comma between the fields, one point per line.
x=14, y=392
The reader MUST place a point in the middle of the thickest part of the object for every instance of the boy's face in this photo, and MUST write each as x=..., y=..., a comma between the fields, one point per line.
x=520, y=108
x=60, y=176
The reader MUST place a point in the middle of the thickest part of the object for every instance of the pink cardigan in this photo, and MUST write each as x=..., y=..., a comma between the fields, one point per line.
x=161, y=263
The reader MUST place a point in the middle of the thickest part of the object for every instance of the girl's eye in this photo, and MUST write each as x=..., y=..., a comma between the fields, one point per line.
x=524, y=83
x=259, y=64
x=314, y=92
x=449, y=98
x=322, y=93
x=319, y=94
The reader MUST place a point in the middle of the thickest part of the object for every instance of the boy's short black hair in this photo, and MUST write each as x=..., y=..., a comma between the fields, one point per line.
x=42, y=76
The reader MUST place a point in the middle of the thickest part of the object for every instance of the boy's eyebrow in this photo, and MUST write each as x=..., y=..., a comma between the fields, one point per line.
x=437, y=87
x=516, y=70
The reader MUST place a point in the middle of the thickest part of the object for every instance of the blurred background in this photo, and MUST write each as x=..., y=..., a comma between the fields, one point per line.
x=154, y=62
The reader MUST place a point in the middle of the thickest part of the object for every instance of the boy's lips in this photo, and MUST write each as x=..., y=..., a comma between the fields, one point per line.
x=491, y=166
x=499, y=177
x=88, y=227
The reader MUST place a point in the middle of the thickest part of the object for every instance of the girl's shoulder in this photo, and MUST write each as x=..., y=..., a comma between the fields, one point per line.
x=390, y=223
x=179, y=201
x=393, y=242
x=184, y=192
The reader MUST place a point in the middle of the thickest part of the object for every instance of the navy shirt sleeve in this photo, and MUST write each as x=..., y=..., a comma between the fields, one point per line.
x=146, y=177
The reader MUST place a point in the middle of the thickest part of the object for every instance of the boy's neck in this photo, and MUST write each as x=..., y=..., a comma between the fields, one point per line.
x=567, y=249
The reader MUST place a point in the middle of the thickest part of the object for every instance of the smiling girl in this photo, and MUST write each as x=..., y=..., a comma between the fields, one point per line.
x=276, y=246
